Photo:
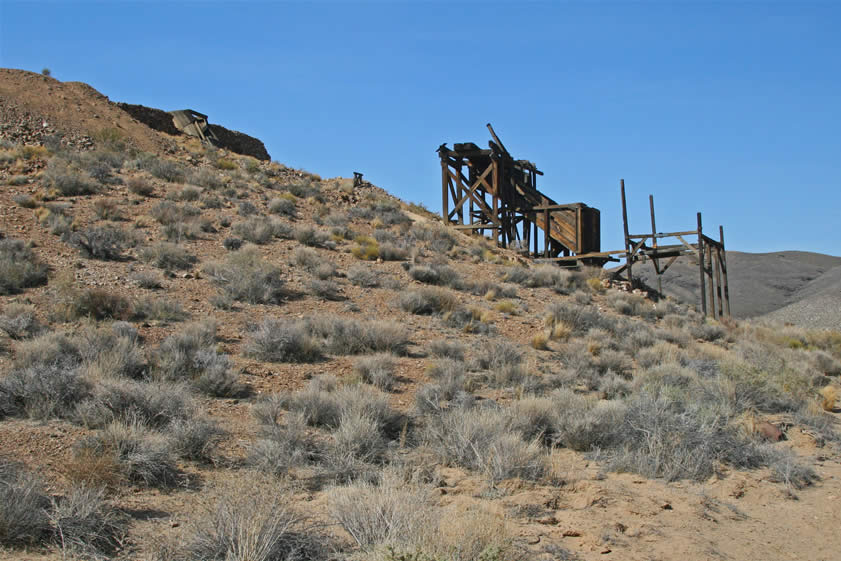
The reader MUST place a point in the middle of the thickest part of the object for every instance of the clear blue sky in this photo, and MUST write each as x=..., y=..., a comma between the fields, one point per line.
x=728, y=108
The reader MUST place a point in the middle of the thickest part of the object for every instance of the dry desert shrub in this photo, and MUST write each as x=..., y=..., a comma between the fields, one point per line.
x=245, y=276
x=19, y=321
x=829, y=395
x=19, y=267
x=279, y=340
x=352, y=337
x=168, y=256
x=363, y=276
x=85, y=525
x=377, y=370
x=250, y=519
x=480, y=439
x=23, y=518
x=388, y=512
x=428, y=301
x=437, y=274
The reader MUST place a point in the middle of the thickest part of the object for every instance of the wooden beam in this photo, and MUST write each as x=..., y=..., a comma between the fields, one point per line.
x=723, y=260
x=701, y=265
x=628, y=258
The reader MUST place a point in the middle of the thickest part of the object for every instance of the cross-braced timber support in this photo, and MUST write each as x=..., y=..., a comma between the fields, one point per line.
x=708, y=253
x=488, y=191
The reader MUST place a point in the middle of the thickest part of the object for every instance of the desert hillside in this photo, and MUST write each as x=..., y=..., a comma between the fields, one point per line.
x=796, y=287
x=208, y=356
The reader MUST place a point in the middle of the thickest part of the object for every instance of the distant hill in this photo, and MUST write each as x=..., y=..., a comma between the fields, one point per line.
x=798, y=287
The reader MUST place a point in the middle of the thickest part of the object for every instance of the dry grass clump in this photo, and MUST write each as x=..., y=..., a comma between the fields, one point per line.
x=190, y=355
x=437, y=237
x=85, y=525
x=388, y=512
x=66, y=179
x=142, y=455
x=244, y=276
x=377, y=370
x=23, y=518
x=278, y=340
x=140, y=186
x=358, y=421
x=829, y=395
x=155, y=405
x=158, y=309
x=18, y=321
x=366, y=248
x=309, y=236
x=352, y=337
x=43, y=391
x=168, y=256
x=283, y=206
x=428, y=301
x=101, y=242
x=437, y=274
x=250, y=520
x=442, y=348
x=448, y=388
x=540, y=341
x=261, y=230
x=70, y=303
x=19, y=267
x=480, y=439
x=363, y=276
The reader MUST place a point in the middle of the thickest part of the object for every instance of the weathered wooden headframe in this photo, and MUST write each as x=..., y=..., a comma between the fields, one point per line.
x=707, y=252
x=490, y=190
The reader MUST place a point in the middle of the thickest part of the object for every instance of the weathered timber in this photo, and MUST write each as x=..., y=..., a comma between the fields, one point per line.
x=501, y=194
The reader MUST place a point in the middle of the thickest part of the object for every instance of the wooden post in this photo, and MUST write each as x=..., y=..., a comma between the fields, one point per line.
x=536, y=237
x=461, y=190
x=723, y=261
x=717, y=259
x=628, y=258
x=495, y=196
x=654, y=244
x=546, y=233
x=708, y=267
x=701, y=265
x=445, y=195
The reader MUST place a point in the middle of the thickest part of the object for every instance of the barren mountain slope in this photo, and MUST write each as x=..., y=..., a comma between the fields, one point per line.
x=198, y=348
x=759, y=282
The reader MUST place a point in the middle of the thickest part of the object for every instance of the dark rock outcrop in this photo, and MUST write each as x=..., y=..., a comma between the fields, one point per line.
x=234, y=141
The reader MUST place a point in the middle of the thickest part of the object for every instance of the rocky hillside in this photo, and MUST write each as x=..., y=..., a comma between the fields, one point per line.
x=204, y=355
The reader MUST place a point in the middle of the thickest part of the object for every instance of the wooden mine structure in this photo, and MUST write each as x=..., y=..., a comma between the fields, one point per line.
x=708, y=253
x=491, y=191
x=488, y=190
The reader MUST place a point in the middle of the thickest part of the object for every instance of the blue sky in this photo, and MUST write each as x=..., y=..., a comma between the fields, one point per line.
x=728, y=108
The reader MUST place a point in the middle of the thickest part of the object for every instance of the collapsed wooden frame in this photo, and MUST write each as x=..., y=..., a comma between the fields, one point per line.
x=708, y=253
x=487, y=190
